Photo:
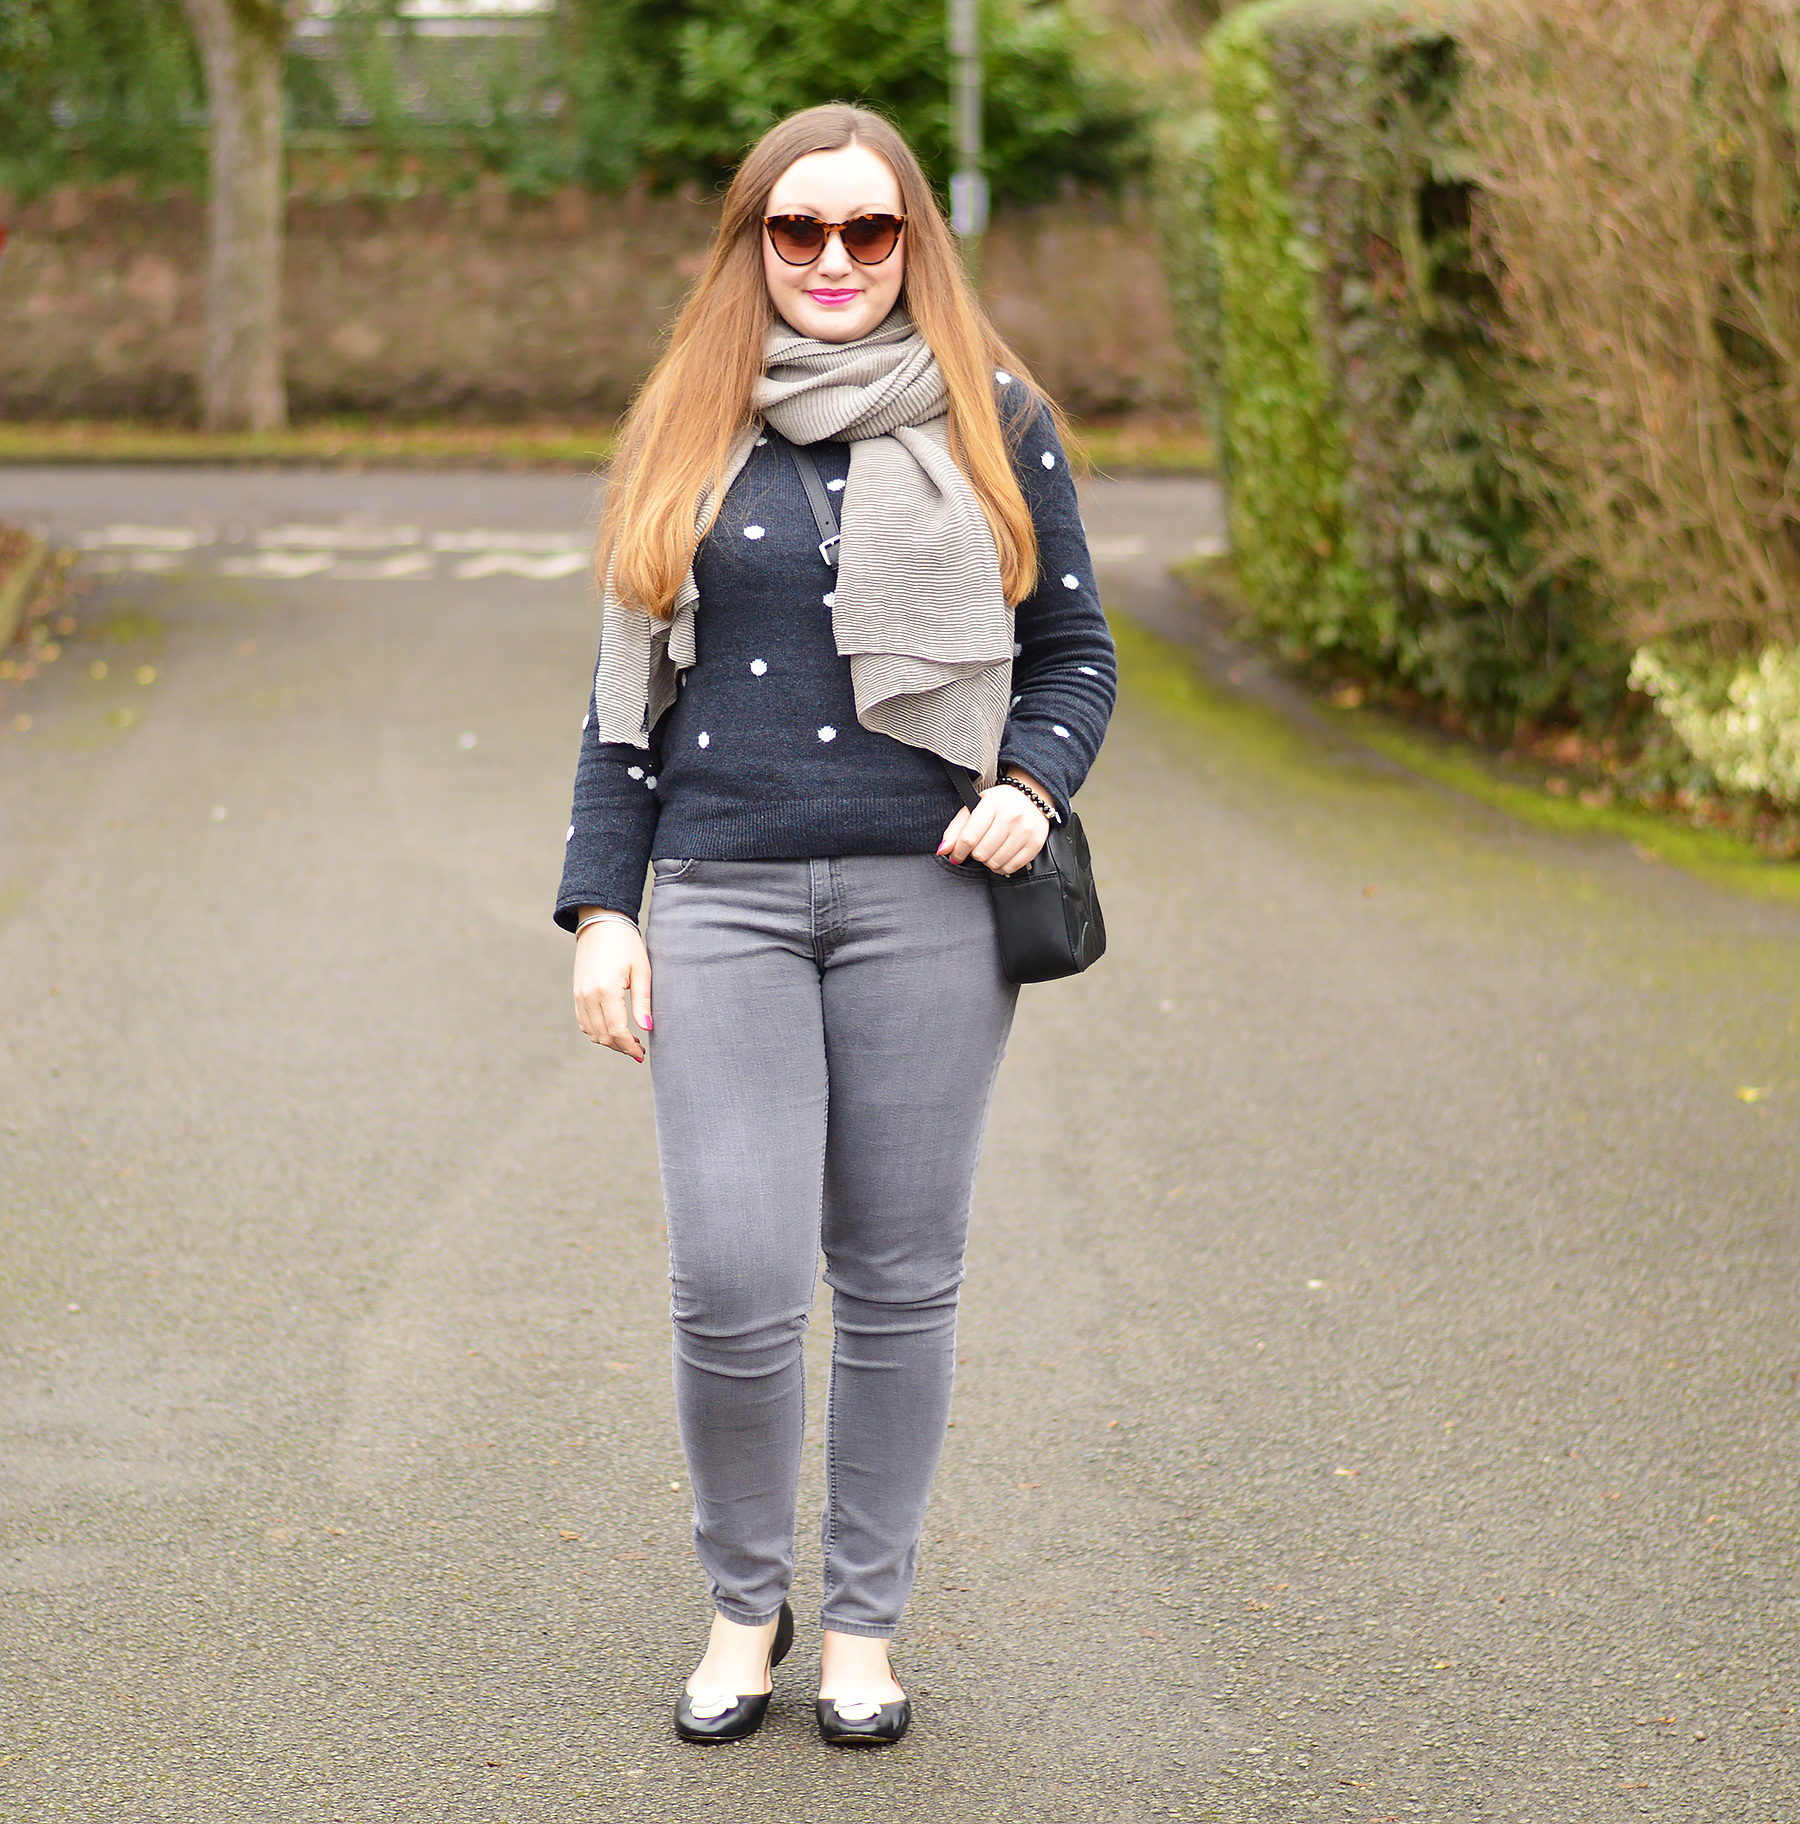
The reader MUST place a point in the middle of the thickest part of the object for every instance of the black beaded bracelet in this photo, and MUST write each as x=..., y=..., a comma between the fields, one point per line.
x=1042, y=804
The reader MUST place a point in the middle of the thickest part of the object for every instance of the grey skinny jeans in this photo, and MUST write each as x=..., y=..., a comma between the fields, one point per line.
x=827, y=1037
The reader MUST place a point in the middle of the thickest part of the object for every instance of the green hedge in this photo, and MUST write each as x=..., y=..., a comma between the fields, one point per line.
x=1375, y=522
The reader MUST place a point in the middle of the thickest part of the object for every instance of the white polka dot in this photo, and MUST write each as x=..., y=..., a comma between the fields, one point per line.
x=828, y=733
x=761, y=441
x=1056, y=728
x=1017, y=701
x=571, y=835
x=1048, y=460
x=1071, y=582
x=1003, y=376
x=758, y=667
x=835, y=486
x=634, y=772
x=831, y=599
x=1017, y=649
x=651, y=783
x=585, y=720
x=1087, y=671
x=705, y=739
x=753, y=531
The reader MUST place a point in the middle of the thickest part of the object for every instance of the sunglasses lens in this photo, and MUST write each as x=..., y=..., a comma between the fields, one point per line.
x=871, y=237
x=797, y=238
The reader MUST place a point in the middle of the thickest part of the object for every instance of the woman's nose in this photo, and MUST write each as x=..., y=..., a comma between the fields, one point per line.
x=833, y=259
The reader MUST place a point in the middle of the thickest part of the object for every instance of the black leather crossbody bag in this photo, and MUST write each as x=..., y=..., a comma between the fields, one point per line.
x=1049, y=912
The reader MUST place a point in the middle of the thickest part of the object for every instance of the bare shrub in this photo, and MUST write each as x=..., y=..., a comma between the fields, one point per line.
x=1640, y=214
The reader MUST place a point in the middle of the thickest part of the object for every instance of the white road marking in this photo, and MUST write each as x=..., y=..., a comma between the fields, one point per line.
x=160, y=538
x=288, y=565
x=289, y=553
x=516, y=563
x=409, y=565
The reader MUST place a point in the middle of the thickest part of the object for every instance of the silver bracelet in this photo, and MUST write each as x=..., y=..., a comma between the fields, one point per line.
x=600, y=918
x=1043, y=805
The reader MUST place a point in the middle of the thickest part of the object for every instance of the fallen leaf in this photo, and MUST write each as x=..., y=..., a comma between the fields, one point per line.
x=566, y=1534
x=1031, y=1485
x=1750, y=1093
x=1346, y=1472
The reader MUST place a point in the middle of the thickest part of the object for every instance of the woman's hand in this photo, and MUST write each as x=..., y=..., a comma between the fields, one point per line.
x=612, y=974
x=1003, y=832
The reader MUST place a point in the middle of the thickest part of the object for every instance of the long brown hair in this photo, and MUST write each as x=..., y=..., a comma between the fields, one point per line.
x=678, y=435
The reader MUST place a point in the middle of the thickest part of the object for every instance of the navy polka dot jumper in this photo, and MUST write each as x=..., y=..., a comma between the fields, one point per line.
x=761, y=755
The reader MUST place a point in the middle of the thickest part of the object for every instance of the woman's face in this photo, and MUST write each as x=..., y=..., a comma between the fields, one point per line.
x=834, y=299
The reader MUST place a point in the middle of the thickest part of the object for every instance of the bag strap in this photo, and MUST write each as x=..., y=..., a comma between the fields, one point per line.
x=816, y=497
x=826, y=520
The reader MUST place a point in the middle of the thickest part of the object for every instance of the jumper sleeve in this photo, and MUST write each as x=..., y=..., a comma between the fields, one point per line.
x=612, y=826
x=1065, y=674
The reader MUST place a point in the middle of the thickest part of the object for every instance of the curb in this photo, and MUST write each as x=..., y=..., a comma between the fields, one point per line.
x=16, y=589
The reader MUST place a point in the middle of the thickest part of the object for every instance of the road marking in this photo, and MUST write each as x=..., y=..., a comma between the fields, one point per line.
x=161, y=538
x=516, y=563
x=291, y=553
x=289, y=565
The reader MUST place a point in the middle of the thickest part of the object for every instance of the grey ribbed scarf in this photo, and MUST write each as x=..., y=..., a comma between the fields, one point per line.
x=919, y=610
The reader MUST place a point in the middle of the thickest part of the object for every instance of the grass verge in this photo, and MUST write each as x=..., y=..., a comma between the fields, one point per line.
x=326, y=442
x=1170, y=675
x=1713, y=855
x=1148, y=446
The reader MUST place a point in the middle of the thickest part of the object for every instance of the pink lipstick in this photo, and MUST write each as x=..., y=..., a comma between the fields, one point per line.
x=831, y=298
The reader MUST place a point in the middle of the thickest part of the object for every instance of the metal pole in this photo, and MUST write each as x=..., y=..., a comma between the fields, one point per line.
x=968, y=186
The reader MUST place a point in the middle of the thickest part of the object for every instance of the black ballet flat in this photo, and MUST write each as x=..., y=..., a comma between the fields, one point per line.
x=868, y=1725
x=739, y=1716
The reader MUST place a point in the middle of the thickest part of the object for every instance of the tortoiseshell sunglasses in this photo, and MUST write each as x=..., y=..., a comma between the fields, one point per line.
x=800, y=239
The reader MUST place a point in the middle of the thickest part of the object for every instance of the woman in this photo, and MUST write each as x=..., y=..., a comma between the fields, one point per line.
x=770, y=721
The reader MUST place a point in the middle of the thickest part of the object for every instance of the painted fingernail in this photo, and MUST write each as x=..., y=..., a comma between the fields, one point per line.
x=942, y=846
x=649, y=1024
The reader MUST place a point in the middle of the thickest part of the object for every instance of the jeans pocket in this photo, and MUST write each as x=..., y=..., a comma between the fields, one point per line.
x=671, y=869
x=961, y=870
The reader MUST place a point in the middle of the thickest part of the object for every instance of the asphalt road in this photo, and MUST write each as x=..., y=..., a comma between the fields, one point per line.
x=1379, y=1352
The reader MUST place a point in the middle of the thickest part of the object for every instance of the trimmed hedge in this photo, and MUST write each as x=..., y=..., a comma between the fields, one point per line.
x=1375, y=519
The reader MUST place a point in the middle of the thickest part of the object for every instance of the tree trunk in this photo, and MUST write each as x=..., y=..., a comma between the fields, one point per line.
x=241, y=44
